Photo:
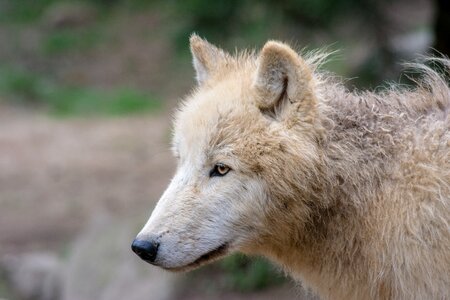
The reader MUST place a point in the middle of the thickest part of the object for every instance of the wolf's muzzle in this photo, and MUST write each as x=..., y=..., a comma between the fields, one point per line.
x=147, y=250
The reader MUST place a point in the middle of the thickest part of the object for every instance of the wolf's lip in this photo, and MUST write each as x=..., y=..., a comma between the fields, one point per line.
x=216, y=253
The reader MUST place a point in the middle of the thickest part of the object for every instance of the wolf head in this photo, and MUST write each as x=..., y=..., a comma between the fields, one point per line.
x=246, y=142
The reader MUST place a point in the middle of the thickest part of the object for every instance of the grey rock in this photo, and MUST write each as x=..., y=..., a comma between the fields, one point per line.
x=34, y=276
x=102, y=266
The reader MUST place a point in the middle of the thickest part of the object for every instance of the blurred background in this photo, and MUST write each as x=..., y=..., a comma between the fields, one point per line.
x=87, y=89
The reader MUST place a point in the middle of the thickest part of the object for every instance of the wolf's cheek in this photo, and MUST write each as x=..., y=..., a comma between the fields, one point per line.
x=188, y=227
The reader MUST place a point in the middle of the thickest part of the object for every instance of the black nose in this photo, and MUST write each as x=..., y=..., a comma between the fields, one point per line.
x=146, y=250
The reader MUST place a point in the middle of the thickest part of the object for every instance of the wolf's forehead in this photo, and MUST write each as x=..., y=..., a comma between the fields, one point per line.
x=207, y=118
x=199, y=123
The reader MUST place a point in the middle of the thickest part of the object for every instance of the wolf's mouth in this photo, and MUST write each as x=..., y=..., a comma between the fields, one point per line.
x=214, y=254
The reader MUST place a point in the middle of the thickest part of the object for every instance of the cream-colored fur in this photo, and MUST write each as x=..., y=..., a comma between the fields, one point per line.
x=348, y=192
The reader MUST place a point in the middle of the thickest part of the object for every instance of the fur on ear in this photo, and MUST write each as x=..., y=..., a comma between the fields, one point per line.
x=206, y=57
x=283, y=79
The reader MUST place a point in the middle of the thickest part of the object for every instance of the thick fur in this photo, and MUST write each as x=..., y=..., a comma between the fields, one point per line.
x=348, y=191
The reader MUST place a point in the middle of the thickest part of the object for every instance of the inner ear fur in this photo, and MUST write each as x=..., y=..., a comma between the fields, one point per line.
x=206, y=58
x=283, y=79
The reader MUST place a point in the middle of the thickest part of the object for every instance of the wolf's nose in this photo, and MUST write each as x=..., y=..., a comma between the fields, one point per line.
x=146, y=250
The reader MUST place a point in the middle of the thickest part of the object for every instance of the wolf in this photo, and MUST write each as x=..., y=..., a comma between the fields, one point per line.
x=349, y=192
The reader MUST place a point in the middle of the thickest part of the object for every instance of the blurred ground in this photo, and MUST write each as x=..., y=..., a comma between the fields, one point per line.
x=71, y=171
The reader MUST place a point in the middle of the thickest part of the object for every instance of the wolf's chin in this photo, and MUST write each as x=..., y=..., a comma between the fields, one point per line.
x=208, y=257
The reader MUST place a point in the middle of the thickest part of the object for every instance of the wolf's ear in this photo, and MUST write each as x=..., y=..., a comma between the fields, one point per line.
x=206, y=57
x=283, y=79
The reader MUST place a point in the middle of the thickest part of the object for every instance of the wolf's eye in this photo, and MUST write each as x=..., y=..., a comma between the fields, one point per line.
x=219, y=170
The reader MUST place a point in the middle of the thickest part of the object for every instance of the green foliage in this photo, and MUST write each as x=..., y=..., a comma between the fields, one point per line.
x=317, y=12
x=23, y=85
x=5, y=290
x=22, y=11
x=222, y=18
x=62, y=100
x=66, y=40
x=218, y=20
x=132, y=4
x=249, y=274
x=81, y=101
x=28, y=11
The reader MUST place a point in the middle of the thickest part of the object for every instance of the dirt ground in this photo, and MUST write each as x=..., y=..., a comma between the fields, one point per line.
x=57, y=174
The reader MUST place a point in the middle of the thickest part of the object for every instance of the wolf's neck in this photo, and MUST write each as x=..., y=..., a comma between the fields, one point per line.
x=329, y=248
x=357, y=155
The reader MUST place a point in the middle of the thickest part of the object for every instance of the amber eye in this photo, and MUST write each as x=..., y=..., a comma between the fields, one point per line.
x=219, y=170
